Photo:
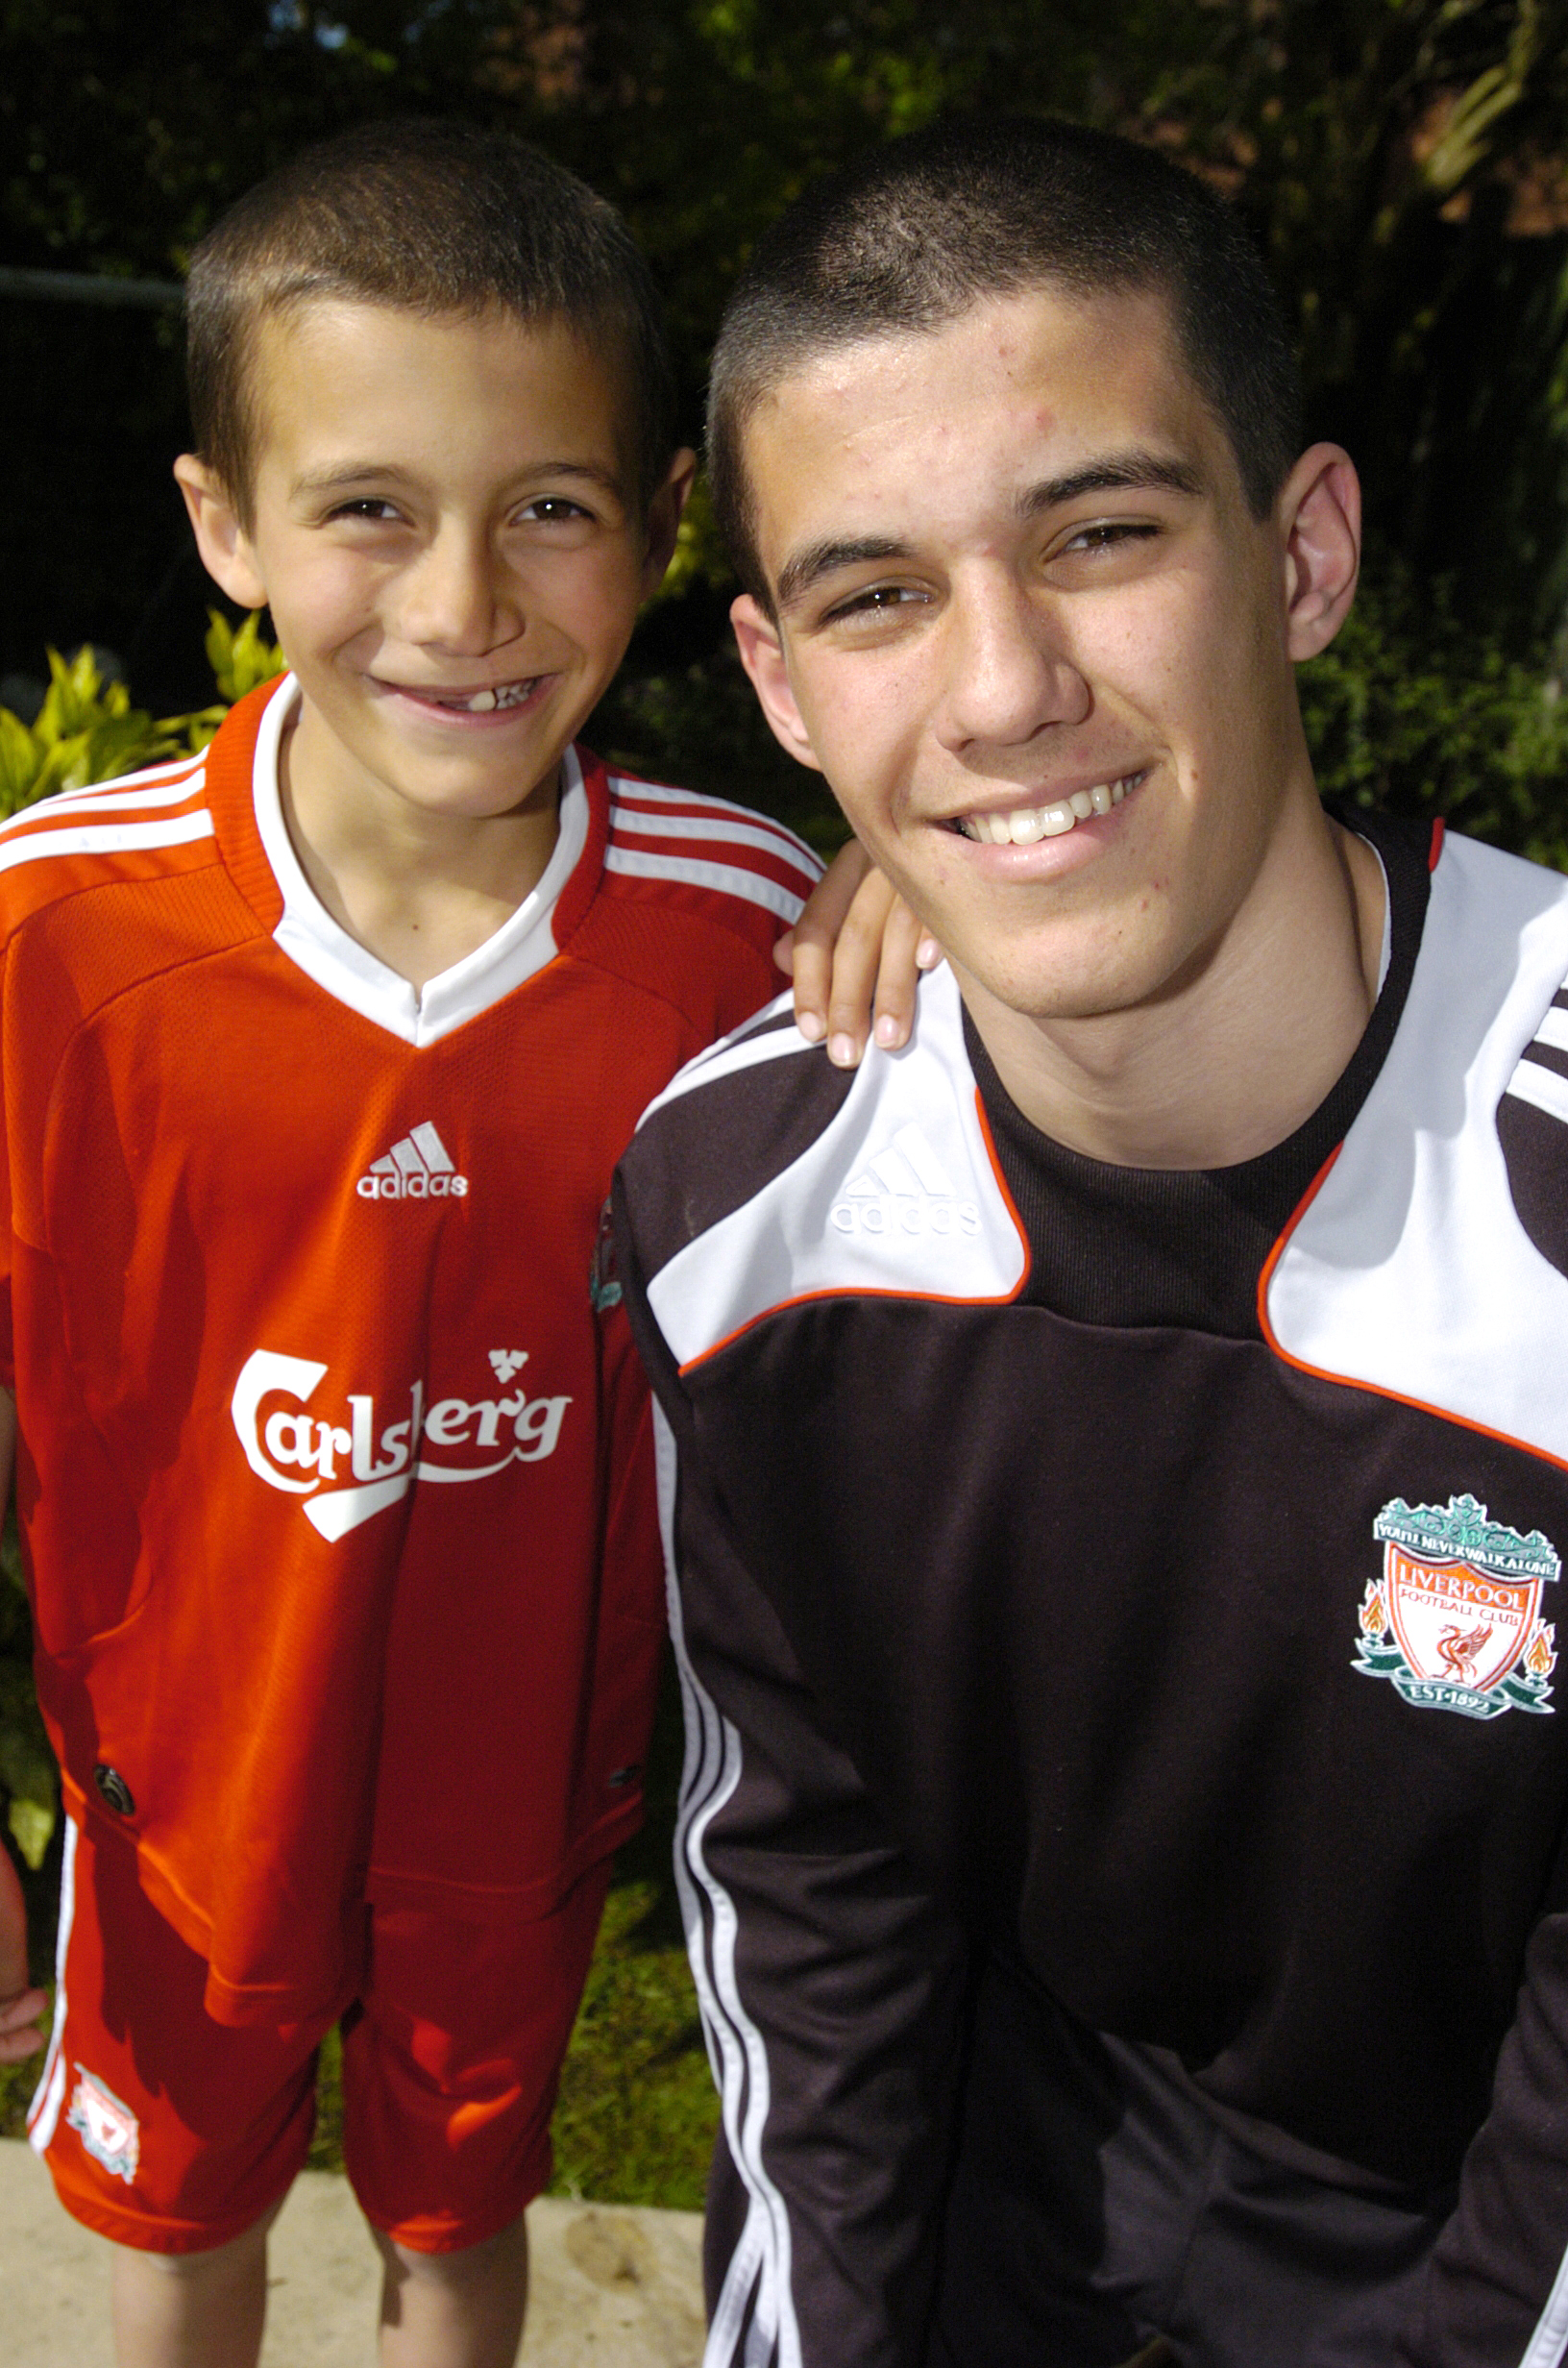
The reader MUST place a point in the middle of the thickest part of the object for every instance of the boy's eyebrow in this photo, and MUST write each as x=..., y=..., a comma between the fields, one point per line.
x=1115, y=472
x=386, y=472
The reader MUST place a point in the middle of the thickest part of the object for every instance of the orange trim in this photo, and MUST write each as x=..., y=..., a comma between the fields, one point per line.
x=1349, y=1381
x=1277, y=1251
x=1008, y=1202
x=922, y=1298
x=1438, y=831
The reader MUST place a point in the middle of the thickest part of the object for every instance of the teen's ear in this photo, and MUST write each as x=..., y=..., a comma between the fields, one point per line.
x=761, y=654
x=663, y=516
x=220, y=535
x=1319, y=510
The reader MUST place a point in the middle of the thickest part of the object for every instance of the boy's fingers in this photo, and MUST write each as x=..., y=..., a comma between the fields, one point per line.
x=19, y=2018
x=858, y=965
x=814, y=942
x=903, y=941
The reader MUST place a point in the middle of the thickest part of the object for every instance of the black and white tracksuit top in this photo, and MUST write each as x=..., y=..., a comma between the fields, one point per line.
x=1153, y=1575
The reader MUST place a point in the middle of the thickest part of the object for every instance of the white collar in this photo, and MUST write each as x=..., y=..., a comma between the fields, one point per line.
x=310, y=936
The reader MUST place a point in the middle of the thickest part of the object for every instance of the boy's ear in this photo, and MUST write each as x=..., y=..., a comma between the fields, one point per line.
x=663, y=516
x=761, y=654
x=220, y=536
x=1320, y=515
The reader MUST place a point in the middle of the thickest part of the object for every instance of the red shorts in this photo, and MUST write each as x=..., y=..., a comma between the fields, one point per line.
x=167, y=2130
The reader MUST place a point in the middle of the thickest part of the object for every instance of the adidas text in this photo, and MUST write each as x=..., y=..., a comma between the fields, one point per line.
x=892, y=1213
x=373, y=1186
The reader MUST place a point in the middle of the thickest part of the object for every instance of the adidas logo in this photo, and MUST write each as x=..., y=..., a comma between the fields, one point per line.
x=905, y=1190
x=418, y=1167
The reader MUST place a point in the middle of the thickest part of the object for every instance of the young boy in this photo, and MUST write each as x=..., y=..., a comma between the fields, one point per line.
x=318, y=1051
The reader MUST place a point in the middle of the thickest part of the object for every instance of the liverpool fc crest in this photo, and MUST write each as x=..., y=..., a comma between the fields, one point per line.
x=1455, y=1621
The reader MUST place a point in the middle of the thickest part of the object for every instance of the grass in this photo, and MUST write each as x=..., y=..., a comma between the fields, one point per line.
x=637, y=2112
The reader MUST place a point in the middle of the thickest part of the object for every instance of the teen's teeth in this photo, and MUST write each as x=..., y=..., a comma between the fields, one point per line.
x=1028, y=823
x=482, y=702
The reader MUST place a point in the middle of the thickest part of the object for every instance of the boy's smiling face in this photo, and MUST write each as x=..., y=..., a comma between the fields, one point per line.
x=1014, y=567
x=446, y=527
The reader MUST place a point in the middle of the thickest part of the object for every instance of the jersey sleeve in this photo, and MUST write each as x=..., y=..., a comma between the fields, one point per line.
x=832, y=1985
x=1496, y=2293
x=8, y=1335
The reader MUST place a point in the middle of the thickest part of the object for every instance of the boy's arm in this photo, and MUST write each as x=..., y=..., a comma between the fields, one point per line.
x=20, y=2006
x=856, y=939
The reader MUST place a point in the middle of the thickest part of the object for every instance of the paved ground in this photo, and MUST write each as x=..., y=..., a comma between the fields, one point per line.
x=612, y=2288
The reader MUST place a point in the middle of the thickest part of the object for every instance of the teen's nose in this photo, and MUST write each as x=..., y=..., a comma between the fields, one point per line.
x=1009, y=673
x=459, y=594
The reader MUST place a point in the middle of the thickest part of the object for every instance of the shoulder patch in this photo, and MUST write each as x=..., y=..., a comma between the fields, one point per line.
x=1395, y=1272
x=1532, y=1128
x=830, y=1183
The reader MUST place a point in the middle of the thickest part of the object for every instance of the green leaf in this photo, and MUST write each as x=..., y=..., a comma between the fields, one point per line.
x=240, y=660
x=86, y=730
x=33, y=1824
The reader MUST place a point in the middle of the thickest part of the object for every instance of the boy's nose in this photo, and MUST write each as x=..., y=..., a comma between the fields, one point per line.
x=1009, y=672
x=459, y=596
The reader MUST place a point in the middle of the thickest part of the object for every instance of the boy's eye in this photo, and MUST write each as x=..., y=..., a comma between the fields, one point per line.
x=554, y=509
x=365, y=505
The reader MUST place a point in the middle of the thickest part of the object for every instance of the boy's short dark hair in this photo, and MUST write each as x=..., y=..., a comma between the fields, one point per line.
x=434, y=217
x=917, y=231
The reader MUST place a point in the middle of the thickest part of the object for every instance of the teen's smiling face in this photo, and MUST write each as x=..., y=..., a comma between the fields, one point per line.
x=1030, y=630
x=446, y=528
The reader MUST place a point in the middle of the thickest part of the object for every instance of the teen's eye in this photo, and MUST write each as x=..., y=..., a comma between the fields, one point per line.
x=1109, y=534
x=878, y=600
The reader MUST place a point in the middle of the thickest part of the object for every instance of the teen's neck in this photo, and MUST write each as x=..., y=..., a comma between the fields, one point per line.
x=420, y=890
x=1236, y=1056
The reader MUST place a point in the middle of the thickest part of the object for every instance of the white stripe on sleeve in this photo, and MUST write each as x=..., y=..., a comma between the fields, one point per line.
x=106, y=838
x=1533, y=1082
x=761, y=2262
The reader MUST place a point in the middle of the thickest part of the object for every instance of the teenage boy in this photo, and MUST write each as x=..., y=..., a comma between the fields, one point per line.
x=1116, y=1450
x=317, y=1051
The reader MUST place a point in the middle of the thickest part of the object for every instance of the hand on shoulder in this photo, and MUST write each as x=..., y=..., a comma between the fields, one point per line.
x=855, y=957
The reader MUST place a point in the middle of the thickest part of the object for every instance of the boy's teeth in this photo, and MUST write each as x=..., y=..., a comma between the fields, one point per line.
x=484, y=703
x=1028, y=823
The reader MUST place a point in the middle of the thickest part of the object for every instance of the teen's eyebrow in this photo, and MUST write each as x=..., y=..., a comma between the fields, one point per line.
x=807, y=567
x=1114, y=473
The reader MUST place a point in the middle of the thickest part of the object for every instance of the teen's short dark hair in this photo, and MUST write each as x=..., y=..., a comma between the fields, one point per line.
x=918, y=230
x=436, y=217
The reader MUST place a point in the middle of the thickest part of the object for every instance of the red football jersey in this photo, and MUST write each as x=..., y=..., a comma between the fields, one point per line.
x=332, y=1476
